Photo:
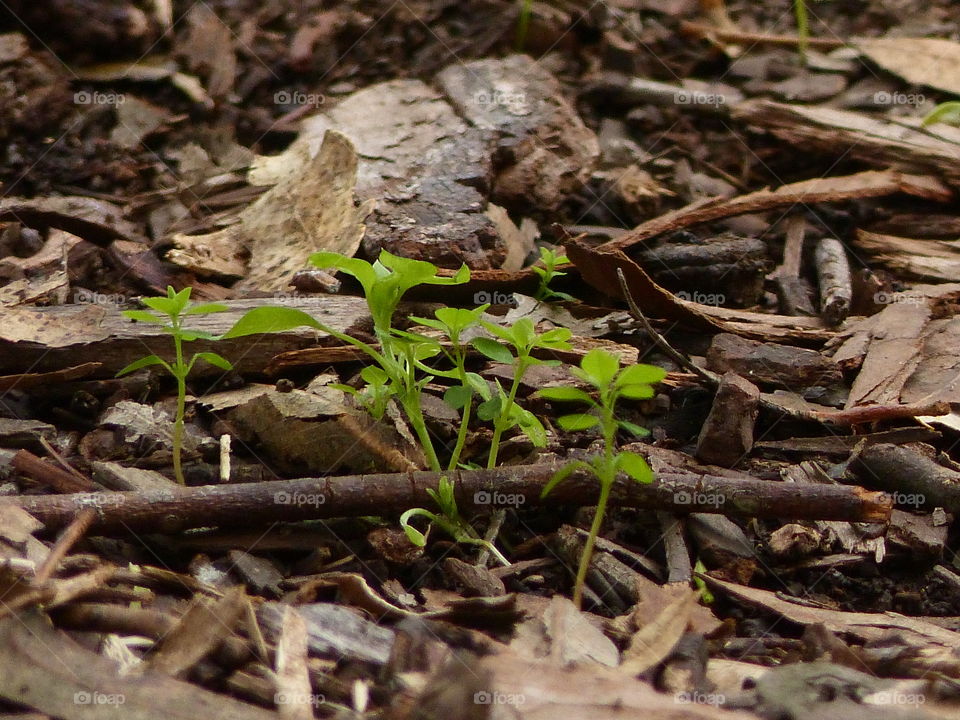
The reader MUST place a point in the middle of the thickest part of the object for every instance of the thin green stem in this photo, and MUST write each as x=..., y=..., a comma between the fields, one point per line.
x=587, y=555
x=502, y=422
x=459, y=362
x=181, y=403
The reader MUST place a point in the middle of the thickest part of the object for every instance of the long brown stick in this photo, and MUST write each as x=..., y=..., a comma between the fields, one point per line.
x=477, y=491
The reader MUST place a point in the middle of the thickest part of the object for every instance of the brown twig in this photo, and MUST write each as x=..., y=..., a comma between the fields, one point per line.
x=75, y=530
x=250, y=504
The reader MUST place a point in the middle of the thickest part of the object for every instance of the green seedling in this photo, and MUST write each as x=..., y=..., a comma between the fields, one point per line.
x=550, y=259
x=948, y=113
x=601, y=370
x=399, y=356
x=453, y=323
x=170, y=312
x=523, y=23
x=522, y=340
x=449, y=520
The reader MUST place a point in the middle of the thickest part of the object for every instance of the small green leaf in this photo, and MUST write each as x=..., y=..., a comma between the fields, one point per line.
x=415, y=536
x=191, y=335
x=479, y=385
x=562, y=474
x=948, y=112
x=271, y=319
x=492, y=349
x=565, y=394
x=634, y=466
x=555, y=339
x=167, y=306
x=641, y=375
x=490, y=409
x=632, y=428
x=374, y=375
x=457, y=396
x=214, y=359
x=636, y=392
x=579, y=421
x=601, y=366
x=144, y=362
x=532, y=428
x=206, y=309
x=144, y=316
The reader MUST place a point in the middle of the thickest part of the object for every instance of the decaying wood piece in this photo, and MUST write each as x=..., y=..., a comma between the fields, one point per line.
x=863, y=626
x=833, y=273
x=900, y=143
x=521, y=107
x=312, y=498
x=50, y=338
x=792, y=291
x=596, y=267
x=46, y=670
x=912, y=479
x=50, y=475
x=727, y=434
x=874, y=183
x=926, y=260
x=771, y=363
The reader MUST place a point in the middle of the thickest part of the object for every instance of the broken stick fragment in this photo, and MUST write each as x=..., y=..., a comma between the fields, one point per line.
x=833, y=272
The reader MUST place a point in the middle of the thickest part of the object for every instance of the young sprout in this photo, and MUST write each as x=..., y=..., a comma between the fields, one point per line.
x=400, y=356
x=169, y=312
x=550, y=259
x=601, y=370
x=522, y=340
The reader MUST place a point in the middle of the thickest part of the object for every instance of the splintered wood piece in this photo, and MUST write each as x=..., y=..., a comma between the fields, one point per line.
x=201, y=630
x=44, y=669
x=833, y=272
x=727, y=434
x=872, y=183
x=676, y=489
x=863, y=626
x=878, y=142
x=914, y=479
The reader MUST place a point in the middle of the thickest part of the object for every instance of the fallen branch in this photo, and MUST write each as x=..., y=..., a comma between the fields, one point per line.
x=477, y=491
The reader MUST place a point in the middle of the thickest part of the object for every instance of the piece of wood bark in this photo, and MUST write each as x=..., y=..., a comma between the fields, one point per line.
x=312, y=498
x=833, y=273
x=51, y=338
x=727, y=434
x=878, y=142
x=872, y=183
x=44, y=669
x=905, y=473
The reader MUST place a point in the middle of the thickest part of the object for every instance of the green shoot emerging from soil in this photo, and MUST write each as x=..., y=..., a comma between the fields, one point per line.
x=550, y=259
x=948, y=113
x=601, y=370
x=502, y=409
x=170, y=312
x=400, y=356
